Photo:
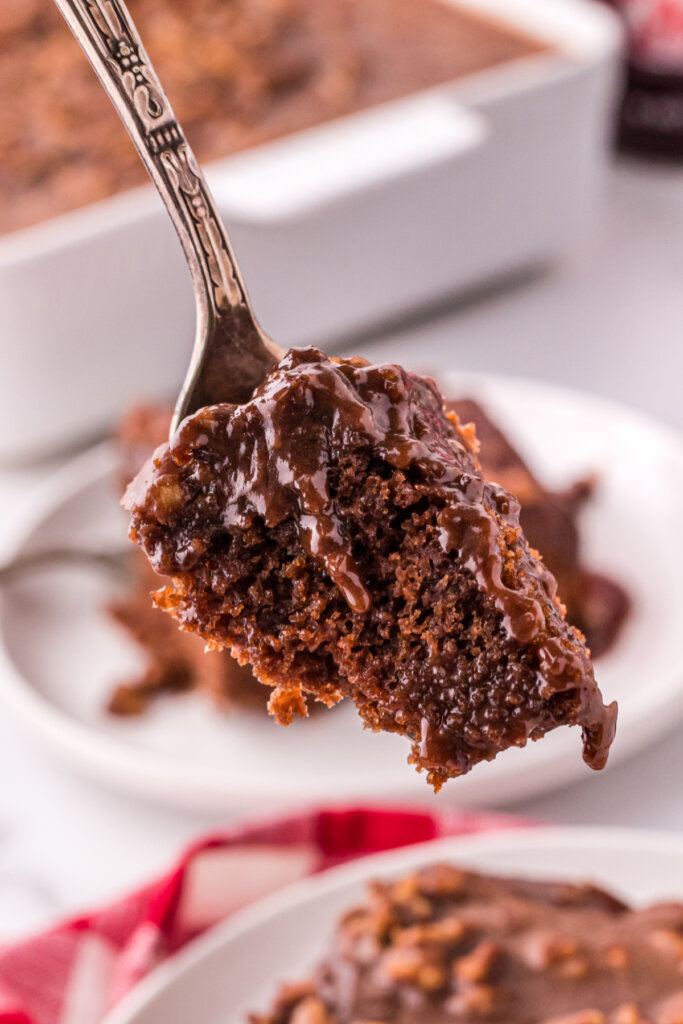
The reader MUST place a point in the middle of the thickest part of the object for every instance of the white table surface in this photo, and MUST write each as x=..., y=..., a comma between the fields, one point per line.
x=609, y=319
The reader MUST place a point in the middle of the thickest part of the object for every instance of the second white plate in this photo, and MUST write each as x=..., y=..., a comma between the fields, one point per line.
x=62, y=655
x=238, y=967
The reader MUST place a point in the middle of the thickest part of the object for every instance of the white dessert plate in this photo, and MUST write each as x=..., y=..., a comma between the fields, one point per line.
x=237, y=967
x=61, y=655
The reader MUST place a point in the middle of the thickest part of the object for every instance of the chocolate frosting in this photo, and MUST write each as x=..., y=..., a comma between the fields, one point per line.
x=445, y=946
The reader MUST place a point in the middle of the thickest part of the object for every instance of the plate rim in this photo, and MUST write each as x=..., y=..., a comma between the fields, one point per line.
x=89, y=750
x=307, y=890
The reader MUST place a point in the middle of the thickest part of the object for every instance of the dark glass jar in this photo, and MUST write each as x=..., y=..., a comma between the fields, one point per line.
x=651, y=117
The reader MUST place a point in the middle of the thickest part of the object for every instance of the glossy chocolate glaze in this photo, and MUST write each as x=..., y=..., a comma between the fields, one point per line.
x=275, y=460
x=445, y=946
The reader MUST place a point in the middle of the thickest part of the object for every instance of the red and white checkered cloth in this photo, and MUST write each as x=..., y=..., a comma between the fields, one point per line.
x=76, y=972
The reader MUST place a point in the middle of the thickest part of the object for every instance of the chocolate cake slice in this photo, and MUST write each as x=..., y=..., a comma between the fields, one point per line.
x=443, y=945
x=336, y=533
x=595, y=604
x=174, y=661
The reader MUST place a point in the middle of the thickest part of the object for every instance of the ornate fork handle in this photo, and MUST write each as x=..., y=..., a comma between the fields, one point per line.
x=109, y=38
x=232, y=354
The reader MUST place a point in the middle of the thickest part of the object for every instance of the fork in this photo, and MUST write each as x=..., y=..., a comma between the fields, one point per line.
x=231, y=354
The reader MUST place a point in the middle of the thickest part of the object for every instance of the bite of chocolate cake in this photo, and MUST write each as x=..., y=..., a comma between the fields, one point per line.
x=336, y=533
x=175, y=660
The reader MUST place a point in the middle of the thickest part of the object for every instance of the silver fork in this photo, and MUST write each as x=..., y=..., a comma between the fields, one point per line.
x=231, y=354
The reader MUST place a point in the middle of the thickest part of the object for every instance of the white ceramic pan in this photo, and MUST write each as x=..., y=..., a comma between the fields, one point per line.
x=337, y=228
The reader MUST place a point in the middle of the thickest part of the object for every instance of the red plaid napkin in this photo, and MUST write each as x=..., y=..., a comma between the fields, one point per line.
x=76, y=972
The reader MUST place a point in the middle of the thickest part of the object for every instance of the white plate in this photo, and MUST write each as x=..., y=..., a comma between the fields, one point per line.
x=62, y=655
x=238, y=966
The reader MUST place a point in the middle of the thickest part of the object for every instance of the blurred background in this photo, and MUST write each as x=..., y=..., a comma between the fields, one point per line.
x=475, y=187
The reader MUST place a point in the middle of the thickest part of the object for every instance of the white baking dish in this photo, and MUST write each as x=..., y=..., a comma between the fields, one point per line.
x=337, y=228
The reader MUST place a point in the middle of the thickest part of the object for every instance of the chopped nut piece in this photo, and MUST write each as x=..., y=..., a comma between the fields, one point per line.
x=412, y=966
x=477, y=965
x=448, y=932
x=408, y=897
x=440, y=880
x=616, y=957
x=169, y=497
x=404, y=964
x=405, y=889
x=431, y=978
x=376, y=923
x=542, y=950
x=574, y=967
